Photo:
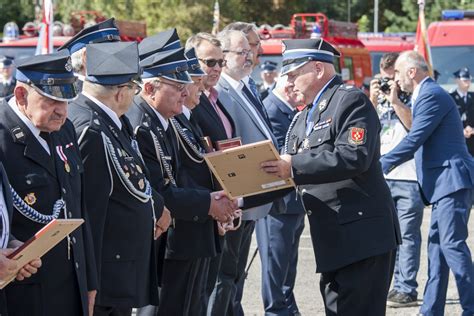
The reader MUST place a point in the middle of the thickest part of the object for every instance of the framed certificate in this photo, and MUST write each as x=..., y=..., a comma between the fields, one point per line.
x=43, y=241
x=238, y=169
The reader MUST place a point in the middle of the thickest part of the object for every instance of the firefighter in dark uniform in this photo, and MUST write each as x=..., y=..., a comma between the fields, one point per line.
x=105, y=31
x=465, y=101
x=39, y=150
x=332, y=153
x=122, y=207
x=7, y=80
x=192, y=238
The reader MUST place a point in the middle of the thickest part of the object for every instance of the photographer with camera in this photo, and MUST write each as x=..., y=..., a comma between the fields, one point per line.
x=395, y=117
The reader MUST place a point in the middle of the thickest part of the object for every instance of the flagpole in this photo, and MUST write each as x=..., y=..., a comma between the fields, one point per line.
x=425, y=49
x=216, y=18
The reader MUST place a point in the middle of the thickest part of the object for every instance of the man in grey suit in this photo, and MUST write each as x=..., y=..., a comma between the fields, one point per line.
x=250, y=125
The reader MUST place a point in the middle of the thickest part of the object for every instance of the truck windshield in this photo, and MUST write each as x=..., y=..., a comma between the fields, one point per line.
x=448, y=59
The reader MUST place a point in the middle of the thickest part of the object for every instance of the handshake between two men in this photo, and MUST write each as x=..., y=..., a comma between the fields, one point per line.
x=222, y=209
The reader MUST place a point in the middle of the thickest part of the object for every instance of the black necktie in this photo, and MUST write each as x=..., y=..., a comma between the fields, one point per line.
x=47, y=137
x=257, y=104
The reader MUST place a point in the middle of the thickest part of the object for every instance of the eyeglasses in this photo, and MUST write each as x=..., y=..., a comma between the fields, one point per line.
x=179, y=87
x=213, y=62
x=132, y=85
x=243, y=52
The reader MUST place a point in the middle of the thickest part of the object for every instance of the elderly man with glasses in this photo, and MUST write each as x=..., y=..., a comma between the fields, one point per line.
x=195, y=208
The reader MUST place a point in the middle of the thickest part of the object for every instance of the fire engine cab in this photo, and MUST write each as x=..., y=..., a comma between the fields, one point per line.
x=354, y=64
x=380, y=43
x=452, y=45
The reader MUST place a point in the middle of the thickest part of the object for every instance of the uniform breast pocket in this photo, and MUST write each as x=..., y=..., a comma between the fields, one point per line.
x=30, y=181
x=320, y=137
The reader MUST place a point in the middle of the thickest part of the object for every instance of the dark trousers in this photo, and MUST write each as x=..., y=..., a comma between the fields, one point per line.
x=448, y=250
x=183, y=290
x=225, y=299
x=360, y=288
x=112, y=311
x=214, y=266
x=278, y=237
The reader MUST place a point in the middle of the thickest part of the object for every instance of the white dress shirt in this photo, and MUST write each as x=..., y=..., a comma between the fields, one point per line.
x=238, y=86
x=34, y=130
x=106, y=109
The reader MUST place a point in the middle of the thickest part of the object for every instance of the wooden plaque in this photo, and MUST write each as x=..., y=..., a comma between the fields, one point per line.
x=238, y=169
x=43, y=241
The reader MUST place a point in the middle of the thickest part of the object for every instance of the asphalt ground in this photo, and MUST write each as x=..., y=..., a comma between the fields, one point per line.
x=307, y=292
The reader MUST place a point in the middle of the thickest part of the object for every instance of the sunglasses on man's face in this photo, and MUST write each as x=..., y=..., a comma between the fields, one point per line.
x=213, y=62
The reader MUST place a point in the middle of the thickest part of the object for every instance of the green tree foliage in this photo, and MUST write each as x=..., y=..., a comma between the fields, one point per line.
x=19, y=11
x=407, y=20
x=191, y=16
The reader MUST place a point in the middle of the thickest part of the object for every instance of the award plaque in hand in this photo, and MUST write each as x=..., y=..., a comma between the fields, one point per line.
x=238, y=169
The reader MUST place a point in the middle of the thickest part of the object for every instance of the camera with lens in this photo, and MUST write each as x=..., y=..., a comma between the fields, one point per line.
x=384, y=84
x=385, y=88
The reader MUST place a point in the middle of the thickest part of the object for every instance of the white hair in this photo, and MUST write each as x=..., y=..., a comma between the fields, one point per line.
x=76, y=60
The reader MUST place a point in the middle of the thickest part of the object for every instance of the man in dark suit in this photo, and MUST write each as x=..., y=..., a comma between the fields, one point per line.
x=7, y=82
x=269, y=75
x=333, y=156
x=211, y=115
x=465, y=102
x=124, y=211
x=39, y=150
x=445, y=171
x=195, y=207
x=278, y=245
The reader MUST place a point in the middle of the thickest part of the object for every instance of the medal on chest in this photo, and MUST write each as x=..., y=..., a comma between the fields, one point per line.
x=63, y=157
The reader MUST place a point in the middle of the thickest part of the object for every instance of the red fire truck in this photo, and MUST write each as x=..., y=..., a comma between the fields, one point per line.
x=353, y=65
x=381, y=43
x=452, y=45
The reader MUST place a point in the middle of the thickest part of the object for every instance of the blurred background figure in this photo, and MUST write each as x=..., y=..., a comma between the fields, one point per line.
x=269, y=74
x=7, y=82
x=30, y=29
x=465, y=103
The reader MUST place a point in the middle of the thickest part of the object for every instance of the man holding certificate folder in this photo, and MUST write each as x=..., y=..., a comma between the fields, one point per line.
x=332, y=154
x=39, y=150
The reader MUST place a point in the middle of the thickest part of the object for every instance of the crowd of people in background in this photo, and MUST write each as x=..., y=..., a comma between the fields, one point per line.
x=116, y=132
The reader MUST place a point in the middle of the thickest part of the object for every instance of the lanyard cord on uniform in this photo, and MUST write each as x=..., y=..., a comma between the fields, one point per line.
x=144, y=197
x=33, y=214
x=161, y=155
x=179, y=130
x=287, y=136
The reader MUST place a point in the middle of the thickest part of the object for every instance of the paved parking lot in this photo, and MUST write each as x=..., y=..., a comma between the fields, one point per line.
x=307, y=283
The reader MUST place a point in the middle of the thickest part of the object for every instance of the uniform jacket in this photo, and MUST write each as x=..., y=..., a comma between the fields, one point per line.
x=250, y=131
x=280, y=117
x=189, y=207
x=340, y=181
x=41, y=179
x=443, y=164
x=6, y=90
x=197, y=175
x=209, y=121
x=7, y=196
x=466, y=110
x=122, y=222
